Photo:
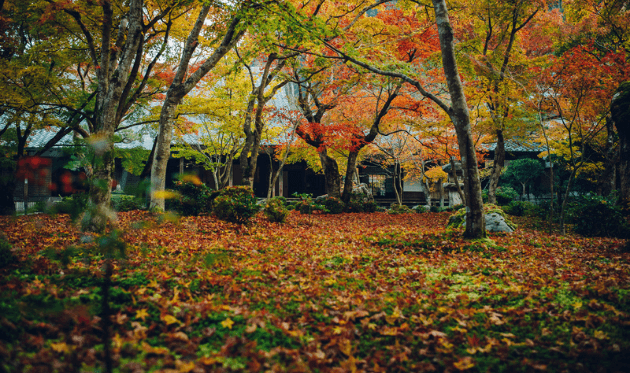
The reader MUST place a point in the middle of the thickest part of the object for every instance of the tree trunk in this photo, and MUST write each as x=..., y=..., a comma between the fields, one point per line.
x=620, y=114
x=331, y=174
x=99, y=216
x=475, y=220
x=499, y=162
x=440, y=185
x=350, y=171
x=398, y=183
x=182, y=84
x=162, y=151
x=244, y=160
x=456, y=181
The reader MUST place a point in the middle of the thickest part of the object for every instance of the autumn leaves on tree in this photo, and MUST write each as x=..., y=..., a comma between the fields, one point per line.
x=459, y=71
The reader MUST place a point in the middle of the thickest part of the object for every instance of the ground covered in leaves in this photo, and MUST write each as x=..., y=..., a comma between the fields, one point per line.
x=350, y=292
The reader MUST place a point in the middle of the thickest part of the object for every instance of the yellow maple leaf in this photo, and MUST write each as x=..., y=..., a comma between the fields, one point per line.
x=227, y=323
x=60, y=347
x=168, y=319
x=184, y=367
x=464, y=363
x=142, y=314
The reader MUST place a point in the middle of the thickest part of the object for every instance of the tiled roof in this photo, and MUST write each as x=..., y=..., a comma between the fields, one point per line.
x=40, y=138
x=520, y=145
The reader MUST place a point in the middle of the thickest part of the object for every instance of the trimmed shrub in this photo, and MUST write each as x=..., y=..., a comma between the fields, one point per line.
x=505, y=195
x=236, y=204
x=395, y=209
x=595, y=216
x=193, y=198
x=333, y=205
x=275, y=210
x=127, y=203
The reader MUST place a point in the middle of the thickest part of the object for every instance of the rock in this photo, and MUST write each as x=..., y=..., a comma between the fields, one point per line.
x=496, y=223
x=364, y=190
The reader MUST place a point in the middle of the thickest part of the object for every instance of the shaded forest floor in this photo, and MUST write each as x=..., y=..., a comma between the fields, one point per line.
x=349, y=292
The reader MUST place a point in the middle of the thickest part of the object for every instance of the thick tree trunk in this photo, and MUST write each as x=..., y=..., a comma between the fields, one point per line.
x=162, y=151
x=475, y=219
x=456, y=181
x=99, y=216
x=499, y=162
x=331, y=174
x=351, y=166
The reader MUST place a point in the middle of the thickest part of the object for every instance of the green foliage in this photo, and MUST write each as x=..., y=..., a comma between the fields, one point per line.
x=133, y=159
x=523, y=171
x=140, y=189
x=6, y=254
x=420, y=209
x=395, y=209
x=275, y=210
x=236, y=204
x=518, y=208
x=505, y=195
x=74, y=205
x=306, y=204
x=127, y=203
x=359, y=203
x=595, y=216
x=194, y=198
x=333, y=205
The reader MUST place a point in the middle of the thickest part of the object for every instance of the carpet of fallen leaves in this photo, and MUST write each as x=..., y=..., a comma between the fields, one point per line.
x=322, y=293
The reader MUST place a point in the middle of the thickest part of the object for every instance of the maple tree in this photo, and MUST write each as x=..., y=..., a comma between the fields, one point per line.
x=456, y=110
x=497, y=57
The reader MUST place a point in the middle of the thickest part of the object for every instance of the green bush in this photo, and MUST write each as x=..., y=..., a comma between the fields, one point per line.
x=595, y=216
x=127, y=203
x=505, y=195
x=360, y=203
x=236, y=204
x=420, y=209
x=74, y=205
x=193, y=198
x=275, y=210
x=435, y=209
x=519, y=208
x=6, y=255
x=395, y=209
x=333, y=205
